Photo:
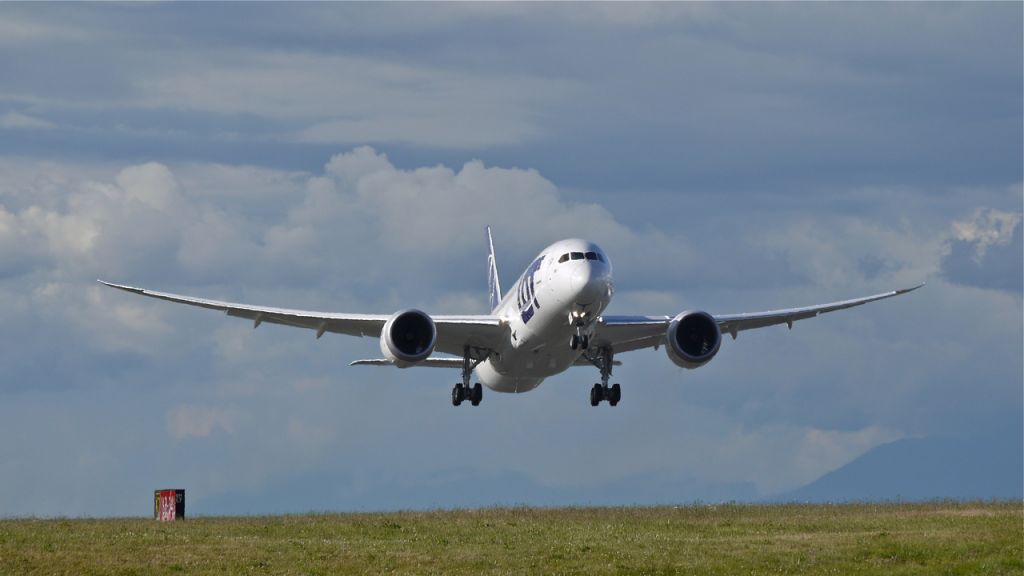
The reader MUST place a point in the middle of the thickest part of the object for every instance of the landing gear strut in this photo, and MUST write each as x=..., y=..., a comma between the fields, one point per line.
x=602, y=391
x=463, y=390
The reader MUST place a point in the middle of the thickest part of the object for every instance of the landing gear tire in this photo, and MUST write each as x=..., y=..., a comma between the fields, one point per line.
x=458, y=394
x=579, y=342
x=596, y=395
x=614, y=395
x=477, y=394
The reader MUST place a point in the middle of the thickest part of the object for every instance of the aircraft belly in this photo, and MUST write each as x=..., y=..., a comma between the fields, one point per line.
x=512, y=383
x=539, y=355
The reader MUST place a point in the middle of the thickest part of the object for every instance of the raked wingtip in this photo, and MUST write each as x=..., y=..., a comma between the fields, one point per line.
x=911, y=289
x=120, y=286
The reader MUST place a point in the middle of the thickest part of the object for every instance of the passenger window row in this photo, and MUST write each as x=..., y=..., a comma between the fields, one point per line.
x=580, y=256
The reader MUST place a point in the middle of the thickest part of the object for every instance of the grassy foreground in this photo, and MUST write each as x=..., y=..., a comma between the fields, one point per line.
x=939, y=538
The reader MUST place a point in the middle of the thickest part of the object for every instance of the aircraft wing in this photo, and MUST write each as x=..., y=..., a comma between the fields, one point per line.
x=453, y=332
x=625, y=333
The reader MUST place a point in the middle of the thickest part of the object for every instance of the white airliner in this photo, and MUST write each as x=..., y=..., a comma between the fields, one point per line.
x=550, y=320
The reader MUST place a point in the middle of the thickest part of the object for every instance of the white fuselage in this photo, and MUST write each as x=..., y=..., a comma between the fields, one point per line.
x=560, y=295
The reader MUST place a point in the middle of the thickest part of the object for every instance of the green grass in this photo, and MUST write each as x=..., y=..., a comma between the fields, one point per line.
x=937, y=538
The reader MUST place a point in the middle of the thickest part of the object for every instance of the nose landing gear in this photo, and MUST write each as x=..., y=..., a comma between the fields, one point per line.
x=579, y=318
x=579, y=341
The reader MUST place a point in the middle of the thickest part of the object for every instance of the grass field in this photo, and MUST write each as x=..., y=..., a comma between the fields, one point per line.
x=939, y=538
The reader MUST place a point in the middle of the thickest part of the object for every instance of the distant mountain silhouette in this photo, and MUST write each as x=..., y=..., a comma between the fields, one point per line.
x=915, y=469
x=925, y=469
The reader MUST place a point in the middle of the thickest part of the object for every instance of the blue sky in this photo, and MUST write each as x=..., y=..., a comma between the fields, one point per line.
x=728, y=157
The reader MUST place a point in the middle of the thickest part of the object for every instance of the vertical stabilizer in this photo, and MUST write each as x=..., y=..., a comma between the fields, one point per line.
x=493, y=286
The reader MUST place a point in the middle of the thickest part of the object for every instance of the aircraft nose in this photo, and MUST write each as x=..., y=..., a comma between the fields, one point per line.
x=589, y=282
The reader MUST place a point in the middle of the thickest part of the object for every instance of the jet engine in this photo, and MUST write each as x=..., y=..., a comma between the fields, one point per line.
x=692, y=339
x=408, y=337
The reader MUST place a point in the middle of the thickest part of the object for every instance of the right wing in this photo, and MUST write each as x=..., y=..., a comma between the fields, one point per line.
x=453, y=332
x=626, y=333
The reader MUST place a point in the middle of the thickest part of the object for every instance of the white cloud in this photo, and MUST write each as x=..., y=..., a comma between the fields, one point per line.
x=985, y=249
x=986, y=227
x=843, y=251
x=100, y=318
x=154, y=225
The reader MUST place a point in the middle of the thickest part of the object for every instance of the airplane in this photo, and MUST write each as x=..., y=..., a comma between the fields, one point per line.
x=551, y=319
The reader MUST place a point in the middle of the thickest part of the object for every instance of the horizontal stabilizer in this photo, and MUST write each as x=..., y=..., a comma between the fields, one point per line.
x=429, y=362
x=446, y=362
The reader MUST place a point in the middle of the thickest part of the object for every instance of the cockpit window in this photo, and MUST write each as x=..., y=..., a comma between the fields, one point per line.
x=591, y=256
x=563, y=258
x=577, y=256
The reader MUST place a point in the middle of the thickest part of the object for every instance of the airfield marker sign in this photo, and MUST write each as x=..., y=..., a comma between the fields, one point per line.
x=168, y=505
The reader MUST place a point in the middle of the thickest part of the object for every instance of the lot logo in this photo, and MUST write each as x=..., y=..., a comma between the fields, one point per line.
x=526, y=296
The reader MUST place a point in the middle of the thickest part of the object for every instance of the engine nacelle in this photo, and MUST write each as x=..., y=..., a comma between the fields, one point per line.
x=693, y=339
x=408, y=337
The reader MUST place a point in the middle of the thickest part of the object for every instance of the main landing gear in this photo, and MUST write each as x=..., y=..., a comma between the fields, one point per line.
x=602, y=391
x=463, y=390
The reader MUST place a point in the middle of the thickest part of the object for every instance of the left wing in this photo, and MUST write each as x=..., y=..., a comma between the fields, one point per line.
x=453, y=332
x=625, y=333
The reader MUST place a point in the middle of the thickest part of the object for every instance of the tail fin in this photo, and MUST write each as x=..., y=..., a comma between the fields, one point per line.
x=493, y=286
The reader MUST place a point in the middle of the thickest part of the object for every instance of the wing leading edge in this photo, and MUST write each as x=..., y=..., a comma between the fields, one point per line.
x=625, y=333
x=453, y=332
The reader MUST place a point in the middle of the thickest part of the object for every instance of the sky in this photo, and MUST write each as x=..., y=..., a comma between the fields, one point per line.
x=727, y=157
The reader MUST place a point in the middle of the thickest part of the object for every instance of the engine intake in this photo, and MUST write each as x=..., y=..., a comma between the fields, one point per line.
x=408, y=337
x=693, y=339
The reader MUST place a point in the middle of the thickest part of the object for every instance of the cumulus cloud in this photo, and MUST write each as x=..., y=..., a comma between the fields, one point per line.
x=841, y=251
x=181, y=227
x=987, y=227
x=431, y=218
x=90, y=227
x=986, y=250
